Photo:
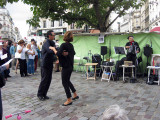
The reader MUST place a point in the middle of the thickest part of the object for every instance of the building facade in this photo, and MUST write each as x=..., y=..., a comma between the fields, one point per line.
x=126, y=25
x=136, y=21
x=59, y=27
x=131, y=22
x=154, y=14
x=143, y=19
x=7, y=31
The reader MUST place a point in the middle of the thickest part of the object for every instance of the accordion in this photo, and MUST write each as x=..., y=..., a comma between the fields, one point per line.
x=132, y=49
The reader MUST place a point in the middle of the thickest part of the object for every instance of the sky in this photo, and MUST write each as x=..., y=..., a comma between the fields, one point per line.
x=20, y=12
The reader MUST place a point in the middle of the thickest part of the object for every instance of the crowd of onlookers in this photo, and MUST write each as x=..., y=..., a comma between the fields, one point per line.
x=25, y=56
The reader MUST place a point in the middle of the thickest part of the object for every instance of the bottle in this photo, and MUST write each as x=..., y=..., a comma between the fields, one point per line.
x=110, y=60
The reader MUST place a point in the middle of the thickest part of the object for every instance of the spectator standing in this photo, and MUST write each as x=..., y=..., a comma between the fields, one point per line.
x=30, y=63
x=22, y=60
x=40, y=54
x=40, y=46
x=34, y=47
x=2, y=68
x=57, y=62
x=12, y=52
x=5, y=51
x=1, y=53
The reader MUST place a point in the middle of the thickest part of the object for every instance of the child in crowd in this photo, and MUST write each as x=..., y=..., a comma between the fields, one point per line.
x=31, y=57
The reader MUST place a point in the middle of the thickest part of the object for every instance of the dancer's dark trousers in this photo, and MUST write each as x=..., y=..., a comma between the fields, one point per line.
x=66, y=74
x=23, y=66
x=46, y=77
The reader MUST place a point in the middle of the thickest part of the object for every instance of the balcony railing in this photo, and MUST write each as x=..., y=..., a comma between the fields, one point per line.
x=5, y=29
x=4, y=36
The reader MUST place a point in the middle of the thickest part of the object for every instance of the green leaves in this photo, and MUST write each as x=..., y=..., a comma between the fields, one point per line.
x=95, y=13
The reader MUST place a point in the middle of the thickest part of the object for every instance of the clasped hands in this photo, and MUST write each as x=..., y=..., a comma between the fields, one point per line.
x=55, y=51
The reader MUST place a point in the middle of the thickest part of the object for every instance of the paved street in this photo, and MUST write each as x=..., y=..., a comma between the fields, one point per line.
x=141, y=101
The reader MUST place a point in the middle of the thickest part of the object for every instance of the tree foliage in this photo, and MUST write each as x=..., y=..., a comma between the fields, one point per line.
x=95, y=13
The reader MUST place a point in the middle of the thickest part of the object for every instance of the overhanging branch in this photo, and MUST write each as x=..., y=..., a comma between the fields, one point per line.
x=115, y=18
x=111, y=9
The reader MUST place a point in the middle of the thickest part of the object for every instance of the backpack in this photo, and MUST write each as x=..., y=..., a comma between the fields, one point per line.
x=152, y=78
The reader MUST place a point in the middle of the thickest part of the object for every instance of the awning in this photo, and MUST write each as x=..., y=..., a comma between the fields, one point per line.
x=156, y=29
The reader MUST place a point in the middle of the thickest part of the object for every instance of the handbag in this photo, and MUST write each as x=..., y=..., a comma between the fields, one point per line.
x=17, y=55
x=2, y=81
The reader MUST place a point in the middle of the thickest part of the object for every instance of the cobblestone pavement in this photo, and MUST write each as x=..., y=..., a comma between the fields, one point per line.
x=141, y=101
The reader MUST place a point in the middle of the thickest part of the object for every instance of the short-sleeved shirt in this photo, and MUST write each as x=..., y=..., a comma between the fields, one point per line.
x=31, y=56
x=23, y=52
x=35, y=49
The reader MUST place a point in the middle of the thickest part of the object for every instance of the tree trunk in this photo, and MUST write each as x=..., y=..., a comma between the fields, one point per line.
x=102, y=28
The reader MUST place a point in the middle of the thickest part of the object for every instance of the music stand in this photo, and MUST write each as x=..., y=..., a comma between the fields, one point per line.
x=119, y=50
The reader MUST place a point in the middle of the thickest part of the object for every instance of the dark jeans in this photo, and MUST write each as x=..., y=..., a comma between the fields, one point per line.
x=46, y=77
x=66, y=74
x=1, y=108
x=23, y=66
x=35, y=62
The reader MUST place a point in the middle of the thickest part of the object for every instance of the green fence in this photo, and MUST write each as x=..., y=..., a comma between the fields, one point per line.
x=84, y=43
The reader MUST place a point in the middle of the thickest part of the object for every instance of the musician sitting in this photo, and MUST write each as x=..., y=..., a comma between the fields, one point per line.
x=132, y=48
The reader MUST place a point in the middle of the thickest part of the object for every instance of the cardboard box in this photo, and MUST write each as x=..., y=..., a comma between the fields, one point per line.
x=106, y=75
x=128, y=63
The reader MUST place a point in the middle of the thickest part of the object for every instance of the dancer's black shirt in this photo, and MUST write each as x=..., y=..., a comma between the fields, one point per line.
x=66, y=61
x=48, y=56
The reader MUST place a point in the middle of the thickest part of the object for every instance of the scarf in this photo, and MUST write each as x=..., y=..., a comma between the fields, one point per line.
x=131, y=42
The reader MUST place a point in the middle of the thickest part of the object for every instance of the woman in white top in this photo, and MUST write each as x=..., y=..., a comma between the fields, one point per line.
x=22, y=60
x=30, y=63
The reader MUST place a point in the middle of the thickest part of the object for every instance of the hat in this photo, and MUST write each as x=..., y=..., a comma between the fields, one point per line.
x=1, y=43
x=32, y=40
x=129, y=37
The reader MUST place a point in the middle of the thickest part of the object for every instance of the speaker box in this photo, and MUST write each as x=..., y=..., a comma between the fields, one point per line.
x=103, y=50
x=96, y=58
x=148, y=51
